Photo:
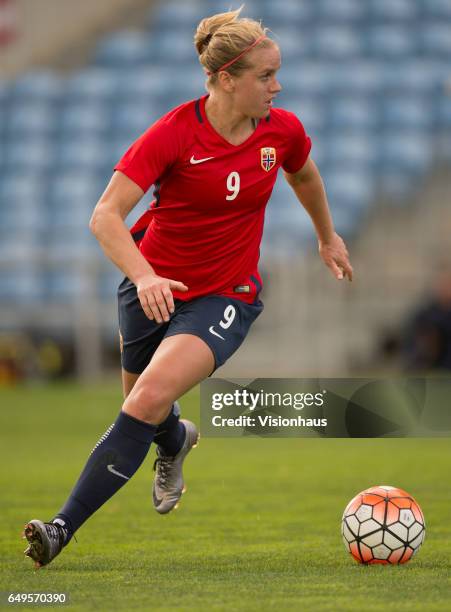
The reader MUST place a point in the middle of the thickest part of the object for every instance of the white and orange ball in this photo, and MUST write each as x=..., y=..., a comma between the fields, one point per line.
x=383, y=525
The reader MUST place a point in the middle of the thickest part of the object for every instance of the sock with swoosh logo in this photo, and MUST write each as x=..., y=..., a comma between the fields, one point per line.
x=113, y=461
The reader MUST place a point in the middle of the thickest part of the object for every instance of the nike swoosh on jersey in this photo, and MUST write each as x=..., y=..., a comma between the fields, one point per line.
x=110, y=468
x=211, y=329
x=199, y=161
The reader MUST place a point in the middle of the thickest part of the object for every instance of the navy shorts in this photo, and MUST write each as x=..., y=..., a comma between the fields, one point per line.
x=220, y=321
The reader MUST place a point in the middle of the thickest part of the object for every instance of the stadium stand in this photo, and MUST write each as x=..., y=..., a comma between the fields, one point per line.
x=370, y=81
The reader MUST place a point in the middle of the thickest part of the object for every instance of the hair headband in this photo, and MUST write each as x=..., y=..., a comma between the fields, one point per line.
x=235, y=59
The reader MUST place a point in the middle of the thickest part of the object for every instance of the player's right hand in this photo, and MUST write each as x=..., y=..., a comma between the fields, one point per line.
x=155, y=295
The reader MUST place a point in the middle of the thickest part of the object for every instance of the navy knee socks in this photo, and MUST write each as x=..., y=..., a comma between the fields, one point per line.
x=113, y=461
x=170, y=434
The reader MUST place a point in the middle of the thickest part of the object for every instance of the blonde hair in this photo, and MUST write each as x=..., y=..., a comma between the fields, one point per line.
x=221, y=38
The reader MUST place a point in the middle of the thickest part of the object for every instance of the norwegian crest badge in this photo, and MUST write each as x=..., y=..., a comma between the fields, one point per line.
x=268, y=158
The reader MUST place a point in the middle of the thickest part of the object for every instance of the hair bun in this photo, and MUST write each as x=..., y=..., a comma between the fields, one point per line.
x=233, y=35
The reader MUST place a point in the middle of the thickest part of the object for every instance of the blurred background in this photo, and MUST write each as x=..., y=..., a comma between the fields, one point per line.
x=370, y=80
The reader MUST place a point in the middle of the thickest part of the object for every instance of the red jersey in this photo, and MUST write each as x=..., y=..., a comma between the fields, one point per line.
x=205, y=225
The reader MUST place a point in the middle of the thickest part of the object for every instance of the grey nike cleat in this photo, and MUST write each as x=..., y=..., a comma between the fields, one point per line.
x=168, y=484
x=46, y=540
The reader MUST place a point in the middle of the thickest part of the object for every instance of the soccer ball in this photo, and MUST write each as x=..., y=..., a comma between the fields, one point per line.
x=383, y=525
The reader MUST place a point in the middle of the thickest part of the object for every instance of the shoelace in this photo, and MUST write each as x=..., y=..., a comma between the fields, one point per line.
x=55, y=532
x=162, y=465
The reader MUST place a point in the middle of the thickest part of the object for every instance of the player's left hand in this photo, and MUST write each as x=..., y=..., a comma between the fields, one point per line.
x=336, y=257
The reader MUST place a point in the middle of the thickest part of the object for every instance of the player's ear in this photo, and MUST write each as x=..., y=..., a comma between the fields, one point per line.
x=226, y=81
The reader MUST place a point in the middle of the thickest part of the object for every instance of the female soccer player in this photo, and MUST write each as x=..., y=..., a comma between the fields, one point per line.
x=191, y=287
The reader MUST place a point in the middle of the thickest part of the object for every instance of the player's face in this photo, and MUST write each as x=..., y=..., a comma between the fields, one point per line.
x=256, y=88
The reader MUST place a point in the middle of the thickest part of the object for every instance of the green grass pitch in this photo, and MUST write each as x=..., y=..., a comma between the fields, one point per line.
x=258, y=529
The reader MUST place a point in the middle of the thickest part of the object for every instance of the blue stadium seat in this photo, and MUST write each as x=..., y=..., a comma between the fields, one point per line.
x=108, y=283
x=415, y=76
x=90, y=117
x=158, y=86
x=444, y=112
x=349, y=186
x=175, y=15
x=64, y=284
x=132, y=119
x=286, y=218
x=347, y=221
x=406, y=150
x=332, y=42
x=406, y=111
x=319, y=151
x=19, y=216
x=344, y=11
x=76, y=245
x=82, y=152
x=117, y=146
x=97, y=83
x=173, y=47
x=125, y=48
x=252, y=8
x=28, y=118
x=294, y=44
x=20, y=249
x=72, y=190
x=21, y=186
x=391, y=10
x=142, y=84
x=276, y=15
x=310, y=111
x=435, y=39
x=283, y=193
x=313, y=78
x=190, y=83
x=287, y=226
x=436, y=9
x=22, y=203
x=391, y=41
x=21, y=284
x=359, y=76
x=351, y=147
x=43, y=86
x=172, y=87
x=166, y=82
x=29, y=154
x=351, y=111
x=70, y=218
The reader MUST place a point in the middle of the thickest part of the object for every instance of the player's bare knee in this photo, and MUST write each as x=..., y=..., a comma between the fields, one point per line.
x=150, y=404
